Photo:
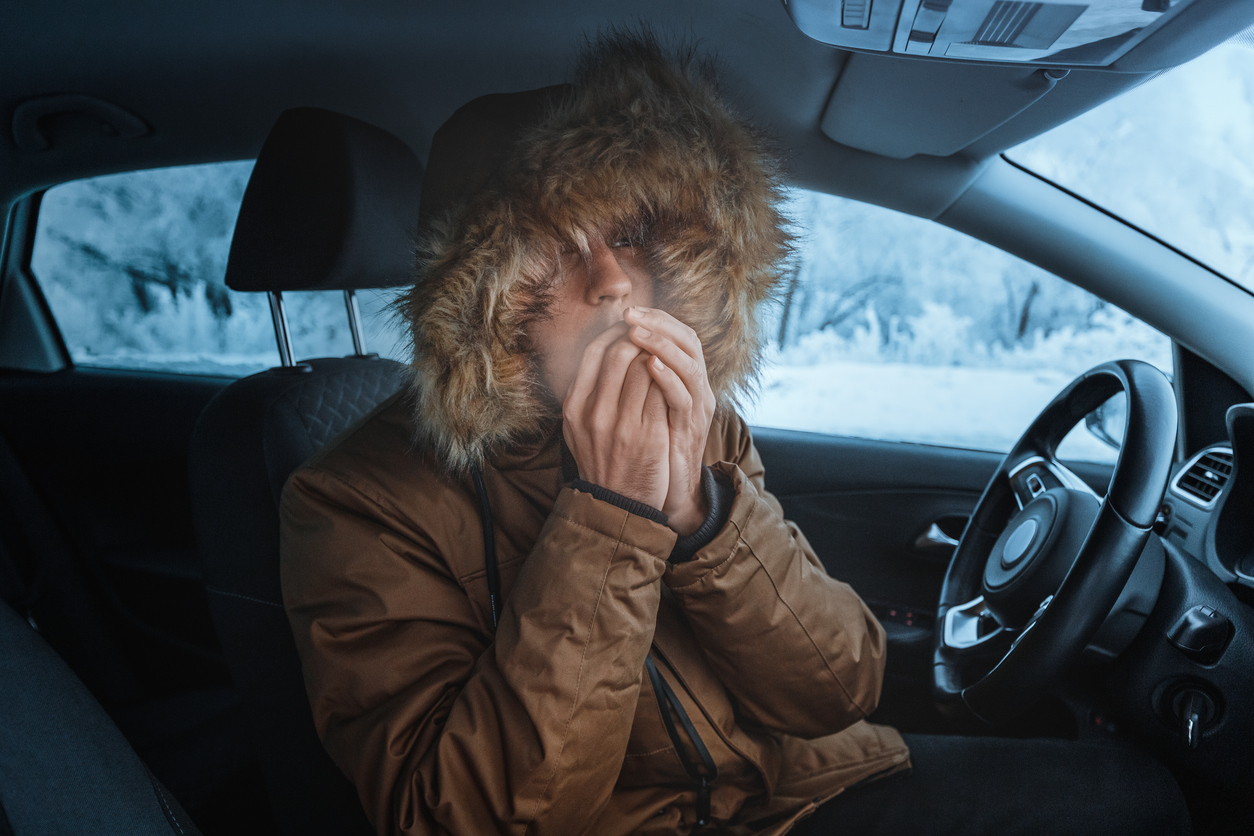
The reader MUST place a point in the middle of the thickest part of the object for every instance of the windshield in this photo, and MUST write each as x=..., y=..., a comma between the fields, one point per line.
x=1175, y=156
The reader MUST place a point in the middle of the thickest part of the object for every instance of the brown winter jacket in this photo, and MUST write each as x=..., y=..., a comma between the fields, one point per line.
x=548, y=725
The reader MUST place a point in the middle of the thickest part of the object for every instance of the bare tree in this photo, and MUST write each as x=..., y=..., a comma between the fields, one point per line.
x=794, y=276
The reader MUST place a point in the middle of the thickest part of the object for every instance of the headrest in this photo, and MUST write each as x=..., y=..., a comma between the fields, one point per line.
x=332, y=204
x=468, y=148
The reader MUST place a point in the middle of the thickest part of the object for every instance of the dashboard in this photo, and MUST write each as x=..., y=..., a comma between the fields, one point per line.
x=1186, y=684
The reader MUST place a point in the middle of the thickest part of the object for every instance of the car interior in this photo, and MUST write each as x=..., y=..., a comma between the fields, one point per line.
x=149, y=679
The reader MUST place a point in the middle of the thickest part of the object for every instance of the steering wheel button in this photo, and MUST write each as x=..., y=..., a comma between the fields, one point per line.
x=1019, y=543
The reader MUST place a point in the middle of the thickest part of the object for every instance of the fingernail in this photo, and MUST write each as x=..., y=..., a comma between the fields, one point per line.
x=643, y=333
x=658, y=364
x=640, y=310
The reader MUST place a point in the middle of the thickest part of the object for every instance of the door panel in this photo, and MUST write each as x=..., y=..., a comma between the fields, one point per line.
x=106, y=452
x=863, y=505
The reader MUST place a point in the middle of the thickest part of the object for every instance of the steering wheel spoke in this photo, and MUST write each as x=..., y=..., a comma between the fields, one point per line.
x=971, y=625
x=1035, y=474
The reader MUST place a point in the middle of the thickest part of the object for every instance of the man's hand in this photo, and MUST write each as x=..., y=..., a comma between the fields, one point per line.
x=677, y=367
x=615, y=421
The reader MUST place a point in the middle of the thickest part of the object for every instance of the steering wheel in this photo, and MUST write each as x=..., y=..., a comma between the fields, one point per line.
x=1043, y=559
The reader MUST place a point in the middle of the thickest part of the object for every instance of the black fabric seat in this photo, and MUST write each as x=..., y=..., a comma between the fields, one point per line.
x=64, y=766
x=331, y=205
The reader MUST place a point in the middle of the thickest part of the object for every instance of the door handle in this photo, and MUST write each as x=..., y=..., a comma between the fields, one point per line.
x=935, y=544
x=934, y=538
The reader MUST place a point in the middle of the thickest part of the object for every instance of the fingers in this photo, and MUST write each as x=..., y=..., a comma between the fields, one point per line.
x=655, y=405
x=608, y=392
x=590, y=366
x=636, y=386
x=660, y=322
x=678, y=346
x=669, y=384
x=617, y=358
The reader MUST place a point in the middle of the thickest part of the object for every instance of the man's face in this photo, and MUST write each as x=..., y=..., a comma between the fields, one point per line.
x=588, y=297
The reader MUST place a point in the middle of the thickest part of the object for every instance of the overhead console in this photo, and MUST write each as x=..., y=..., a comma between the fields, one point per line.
x=935, y=77
x=1123, y=35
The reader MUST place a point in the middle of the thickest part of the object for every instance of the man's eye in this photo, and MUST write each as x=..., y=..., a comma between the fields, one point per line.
x=623, y=242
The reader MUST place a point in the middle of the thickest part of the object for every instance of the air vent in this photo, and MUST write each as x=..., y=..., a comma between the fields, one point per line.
x=1206, y=476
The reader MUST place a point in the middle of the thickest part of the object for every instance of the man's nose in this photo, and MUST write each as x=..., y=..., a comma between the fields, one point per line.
x=607, y=281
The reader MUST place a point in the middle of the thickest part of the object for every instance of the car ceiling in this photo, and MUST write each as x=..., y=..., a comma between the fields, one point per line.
x=210, y=79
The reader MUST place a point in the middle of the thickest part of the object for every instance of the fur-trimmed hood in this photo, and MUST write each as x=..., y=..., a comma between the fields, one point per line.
x=640, y=144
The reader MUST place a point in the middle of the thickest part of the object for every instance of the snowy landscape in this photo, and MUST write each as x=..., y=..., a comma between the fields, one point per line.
x=887, y=326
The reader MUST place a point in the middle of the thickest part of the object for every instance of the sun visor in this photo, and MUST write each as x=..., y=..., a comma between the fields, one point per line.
x=332, y=204
x=937, y=112
x=1123, y=35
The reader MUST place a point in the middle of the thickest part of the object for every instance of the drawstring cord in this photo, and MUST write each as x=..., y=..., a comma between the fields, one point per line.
x=667, y=702
x=489, y=547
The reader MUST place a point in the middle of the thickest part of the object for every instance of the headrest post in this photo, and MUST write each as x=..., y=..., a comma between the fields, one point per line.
x=281, y=335
x=354, y=322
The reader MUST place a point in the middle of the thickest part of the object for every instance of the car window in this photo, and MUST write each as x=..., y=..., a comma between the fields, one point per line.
x=132, y=266
x=385, y=333
x=894, y=327
x=1171, y=156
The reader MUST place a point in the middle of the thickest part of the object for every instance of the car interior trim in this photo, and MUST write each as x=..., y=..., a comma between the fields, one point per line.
x=29, y=337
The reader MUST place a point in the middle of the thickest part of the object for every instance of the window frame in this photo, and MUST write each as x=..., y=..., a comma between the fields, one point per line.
x=16, y=251
x=26, y=212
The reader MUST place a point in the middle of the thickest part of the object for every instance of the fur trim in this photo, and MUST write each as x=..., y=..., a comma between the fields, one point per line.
x=641, y=143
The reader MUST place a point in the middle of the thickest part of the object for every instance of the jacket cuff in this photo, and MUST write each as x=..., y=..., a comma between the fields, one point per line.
x=592, y=514
x=711, y=560
x=719, y=494
x=620, y=501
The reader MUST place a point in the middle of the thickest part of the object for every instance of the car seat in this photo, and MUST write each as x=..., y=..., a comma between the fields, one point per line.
x=64, y=766
x=332, y=204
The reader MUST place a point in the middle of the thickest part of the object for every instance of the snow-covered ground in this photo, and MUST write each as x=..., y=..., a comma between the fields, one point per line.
x=980, y=408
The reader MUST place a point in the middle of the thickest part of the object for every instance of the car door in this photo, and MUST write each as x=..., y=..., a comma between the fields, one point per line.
x=904, y=360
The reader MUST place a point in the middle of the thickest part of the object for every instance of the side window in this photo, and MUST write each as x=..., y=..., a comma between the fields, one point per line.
x=132, y=266
x=896, y=328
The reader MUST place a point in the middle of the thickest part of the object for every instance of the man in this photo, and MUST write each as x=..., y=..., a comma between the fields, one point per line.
x=637, y=641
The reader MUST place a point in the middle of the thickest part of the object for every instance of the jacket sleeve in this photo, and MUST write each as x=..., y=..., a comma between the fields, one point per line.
x=443, y=728
x=798, y=650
